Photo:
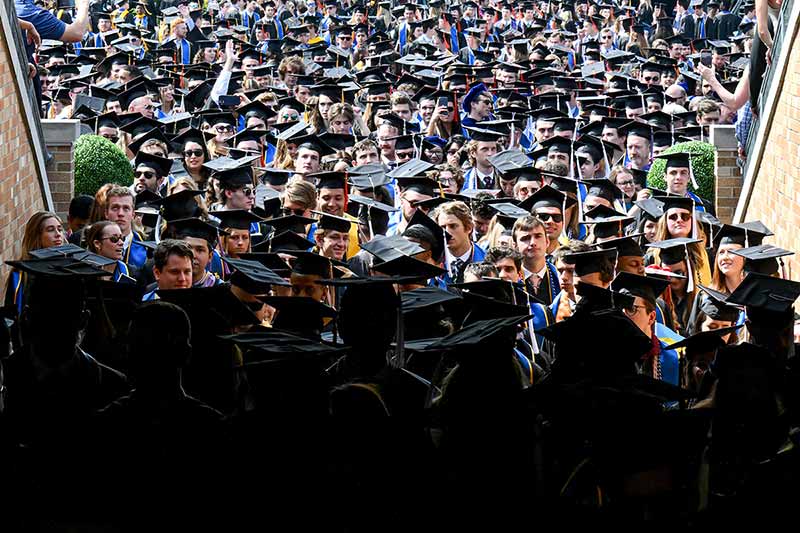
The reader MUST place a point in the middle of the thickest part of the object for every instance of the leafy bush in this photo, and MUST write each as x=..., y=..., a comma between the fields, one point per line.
x=99, y=161
x=702, y=166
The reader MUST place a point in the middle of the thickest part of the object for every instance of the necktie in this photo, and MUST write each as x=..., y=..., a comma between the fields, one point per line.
x=455, y=268
x=535, y=280
x=488, y=182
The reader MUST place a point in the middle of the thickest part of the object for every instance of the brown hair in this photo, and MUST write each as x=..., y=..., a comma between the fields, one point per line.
x=99, y=206
x=169, y=247
x=94, y=232
x=32, y=237
x=302, y=193
x=526, y=224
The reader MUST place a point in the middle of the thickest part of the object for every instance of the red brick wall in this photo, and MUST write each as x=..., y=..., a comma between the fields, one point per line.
x=20, y=192
x=60, y=176
x=776, y=196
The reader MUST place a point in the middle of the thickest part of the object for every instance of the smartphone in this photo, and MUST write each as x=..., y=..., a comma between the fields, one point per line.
x=443, y=101
x=229, y=100
x=705, y=58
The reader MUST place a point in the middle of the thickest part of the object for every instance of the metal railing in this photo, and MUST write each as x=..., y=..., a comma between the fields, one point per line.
x=769, y=74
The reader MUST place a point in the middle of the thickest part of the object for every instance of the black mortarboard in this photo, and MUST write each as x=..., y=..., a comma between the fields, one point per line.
x=755, y=232
x=547, y=196
x=672, y=251
x=652, y=209
x=677, y=159
x=286, y=240
x=252, y=276
x=236, y=218
x=299, y=314
x=408, y=267
x=213, y=304
x=766, y=293
x=589, y=262
x=676, y=202
x=715, y=306
x=703, y=341
x=646, y=287
x=625, y=246
x=425, y=297
x=477, y=333
x=161, y=165
x=603, y=188
x=763, y=259
x=236, y=177
x=180, y=205
x=66, y=268
x=154, y=133
x=314, y=264
x=387, y=248
x=335, y=223
x=193, y=227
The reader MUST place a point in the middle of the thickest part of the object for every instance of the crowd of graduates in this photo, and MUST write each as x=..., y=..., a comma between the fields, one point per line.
x=398, y=266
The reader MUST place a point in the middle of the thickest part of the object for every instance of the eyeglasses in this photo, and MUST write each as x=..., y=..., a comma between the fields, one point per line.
x=299, y=212
x=682, y=216
x=625, y=183
x=544, y=217
x=630, y=311
x=113, y=238
x=222, y=128
x=147, y=174
x=290, y=117
x=606, y=37
x=248, y=191
x=112, y=138
x=487, y=101
x=189, y=153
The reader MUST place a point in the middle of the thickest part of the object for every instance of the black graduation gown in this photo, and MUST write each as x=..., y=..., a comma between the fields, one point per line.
x=688, y=27
x=727, y=24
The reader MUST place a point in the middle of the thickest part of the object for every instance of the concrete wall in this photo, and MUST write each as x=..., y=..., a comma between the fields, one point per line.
x=772, y=193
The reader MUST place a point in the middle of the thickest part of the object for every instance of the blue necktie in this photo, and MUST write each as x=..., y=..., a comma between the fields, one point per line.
x=185, y=59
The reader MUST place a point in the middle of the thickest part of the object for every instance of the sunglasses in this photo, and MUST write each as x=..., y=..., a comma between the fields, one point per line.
x=544, y=217
x=625, y=183
x=223, y=128
x=190, y=153
x=112, y=138
x=248, y=191
x=298, y=212
x=147, y=174
x=114, y=238
x=682, y=216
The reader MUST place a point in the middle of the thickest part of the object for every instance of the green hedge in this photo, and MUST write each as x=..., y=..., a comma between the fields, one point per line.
x=99, y=161
x=702, y=166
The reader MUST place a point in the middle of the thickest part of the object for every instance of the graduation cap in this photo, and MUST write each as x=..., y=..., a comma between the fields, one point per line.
x=602, y=188
x=314, y=264
x=180, y=205
x=217, y=305
x=763, y=258
x=508, y=213
x=425, y=297
x=193, y=227
x=717, y=307
x=703, y=341
x=276, y=346
x=478, y=333
x=387, y=248
x=648, y=288
x=233, y=178
x=236, y=218
x=625, y=246
x=62, y=268
x=334, y=223
x=765, y=293
x=160, y=165
x=252, y=276
x=405, y=266
x=154, y=133
x=590, y=261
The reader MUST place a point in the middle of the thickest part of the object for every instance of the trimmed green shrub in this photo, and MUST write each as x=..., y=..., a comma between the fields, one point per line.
x=702, y=166
x=99, y=161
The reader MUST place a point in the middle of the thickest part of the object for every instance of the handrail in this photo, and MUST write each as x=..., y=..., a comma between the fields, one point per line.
x=30, y=111
x=772, y=83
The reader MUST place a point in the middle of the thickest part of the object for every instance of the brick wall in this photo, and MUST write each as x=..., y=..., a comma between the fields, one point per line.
x=60, y=137
x=728, y=185
x=20, y=189
x=775, y=199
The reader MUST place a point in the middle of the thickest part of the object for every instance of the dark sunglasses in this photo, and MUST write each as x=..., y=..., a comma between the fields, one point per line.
x=298, y=212
x=248, y=191
x=147, y=175
x=682, y=216
x=112, y=138
x=190, y=153
x=114, y=238
x=544, y=217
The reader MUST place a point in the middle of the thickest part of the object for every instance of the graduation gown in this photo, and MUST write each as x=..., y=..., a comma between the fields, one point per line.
x=726, y=24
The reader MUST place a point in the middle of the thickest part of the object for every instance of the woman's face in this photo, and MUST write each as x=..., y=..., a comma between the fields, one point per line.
x=650, y=230
x=626, y=184
x=52, y=233
x=452, y=154
x=434, y=154
x=111, y=242
x=291, y=149
x=679, y=222
x=209, y=55
x=193, y=155
x=238, y=242
x=730, y=264
x=324, y=105
x=678, y=284
x=709, y=324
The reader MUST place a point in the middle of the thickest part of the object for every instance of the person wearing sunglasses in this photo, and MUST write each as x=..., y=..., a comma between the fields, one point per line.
x=478, y=104
x=149, y=172
x=547, y=204
x=105, y=239
x=238, y=191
